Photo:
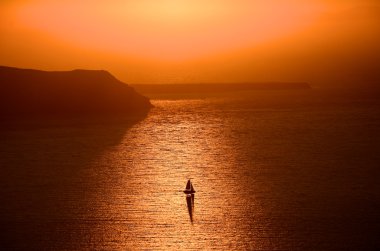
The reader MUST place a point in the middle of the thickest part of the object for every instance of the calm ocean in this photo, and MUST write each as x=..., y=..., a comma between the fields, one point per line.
x=272, y=170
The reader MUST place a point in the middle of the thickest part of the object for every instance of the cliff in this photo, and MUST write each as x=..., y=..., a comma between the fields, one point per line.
x=25, y=92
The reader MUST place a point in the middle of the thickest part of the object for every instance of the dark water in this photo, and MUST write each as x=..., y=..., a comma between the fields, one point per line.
x=294, y=170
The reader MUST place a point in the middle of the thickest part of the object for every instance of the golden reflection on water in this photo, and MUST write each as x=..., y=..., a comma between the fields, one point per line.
x=171, y=149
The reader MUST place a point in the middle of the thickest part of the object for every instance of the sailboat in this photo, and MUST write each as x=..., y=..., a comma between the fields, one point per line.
x=189, y=188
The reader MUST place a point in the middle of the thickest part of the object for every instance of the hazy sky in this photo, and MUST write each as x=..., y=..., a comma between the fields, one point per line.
x=143, y=41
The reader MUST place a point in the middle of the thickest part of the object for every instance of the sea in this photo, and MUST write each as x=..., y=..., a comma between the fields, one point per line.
x=272, y=170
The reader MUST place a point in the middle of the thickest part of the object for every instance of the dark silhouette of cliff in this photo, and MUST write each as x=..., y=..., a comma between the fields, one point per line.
x=29, y=93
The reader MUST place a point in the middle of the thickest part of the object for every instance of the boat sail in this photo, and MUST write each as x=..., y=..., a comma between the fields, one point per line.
x=189, y=188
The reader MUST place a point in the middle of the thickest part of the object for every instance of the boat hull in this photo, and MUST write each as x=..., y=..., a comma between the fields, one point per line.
x=188, y=192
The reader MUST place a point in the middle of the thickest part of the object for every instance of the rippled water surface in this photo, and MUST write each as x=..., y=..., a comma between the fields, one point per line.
x=295, y=170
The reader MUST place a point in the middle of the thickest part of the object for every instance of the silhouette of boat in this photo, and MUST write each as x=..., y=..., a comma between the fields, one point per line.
x=189, y=188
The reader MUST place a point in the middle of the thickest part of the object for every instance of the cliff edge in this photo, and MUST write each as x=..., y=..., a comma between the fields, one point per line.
x=26, y=92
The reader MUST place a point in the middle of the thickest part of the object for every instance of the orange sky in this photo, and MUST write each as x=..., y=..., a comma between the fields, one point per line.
x=143, y=41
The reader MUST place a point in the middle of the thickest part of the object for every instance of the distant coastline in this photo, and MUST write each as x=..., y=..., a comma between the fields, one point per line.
x=207, y=88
